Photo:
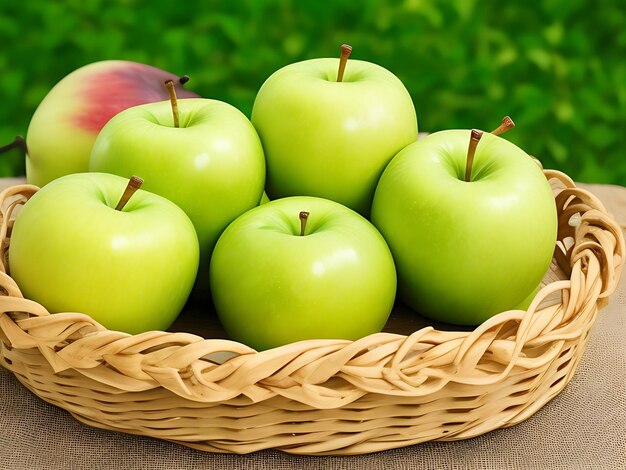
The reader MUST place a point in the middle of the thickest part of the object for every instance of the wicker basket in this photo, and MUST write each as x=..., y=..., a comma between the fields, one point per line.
x=322, y=396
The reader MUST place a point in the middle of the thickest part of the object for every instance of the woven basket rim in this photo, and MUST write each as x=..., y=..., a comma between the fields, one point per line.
x=240, y=348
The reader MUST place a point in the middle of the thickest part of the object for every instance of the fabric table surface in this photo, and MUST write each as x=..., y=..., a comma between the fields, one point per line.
x=584, y=427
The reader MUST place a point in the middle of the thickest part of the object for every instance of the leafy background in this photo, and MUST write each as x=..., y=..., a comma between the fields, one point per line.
x=558, y=67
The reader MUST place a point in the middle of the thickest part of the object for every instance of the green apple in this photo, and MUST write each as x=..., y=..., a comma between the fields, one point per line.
x=130, y=269
x=301, y=268
x=212, y=166
x=67, y=121
x=466, y=248
x=329, y=138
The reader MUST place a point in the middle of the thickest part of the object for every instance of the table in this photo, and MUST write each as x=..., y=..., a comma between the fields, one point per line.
x=582, y=428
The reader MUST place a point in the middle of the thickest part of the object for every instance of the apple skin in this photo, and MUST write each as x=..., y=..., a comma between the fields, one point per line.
x=271, y=286
x=328, y=139
x=264, y=199
x=212, y=166
x=65, y=124
x=465, y=251
x=130, y=270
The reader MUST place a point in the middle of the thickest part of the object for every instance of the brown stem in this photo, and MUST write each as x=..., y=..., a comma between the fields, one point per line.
x=345, y=53
x=18, y=142
x=475, y=137
x=507, y=125
x=170, y=87
x=131, y=188
x=304, y=215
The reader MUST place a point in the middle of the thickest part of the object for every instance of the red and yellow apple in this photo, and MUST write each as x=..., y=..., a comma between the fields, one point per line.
x=64, y=127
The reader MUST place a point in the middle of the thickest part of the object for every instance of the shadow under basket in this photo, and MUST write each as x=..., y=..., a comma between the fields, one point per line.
x=322, y=396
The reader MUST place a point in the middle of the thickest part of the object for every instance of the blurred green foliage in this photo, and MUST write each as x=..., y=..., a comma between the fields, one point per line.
x=558, y=67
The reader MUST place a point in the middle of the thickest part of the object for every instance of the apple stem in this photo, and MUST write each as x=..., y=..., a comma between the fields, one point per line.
x=474, y=139
x=304, y=215
x=131, y=188
x=184, y=79
x=507, y=125
x=345, y=53
x=170, y=87
x=18, y=142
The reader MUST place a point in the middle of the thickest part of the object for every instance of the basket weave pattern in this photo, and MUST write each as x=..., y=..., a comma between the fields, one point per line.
x=321, y=396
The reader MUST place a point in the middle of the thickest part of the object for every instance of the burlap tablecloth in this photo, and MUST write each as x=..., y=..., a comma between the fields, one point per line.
x=582, y=428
